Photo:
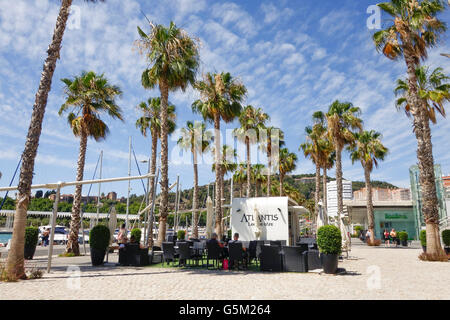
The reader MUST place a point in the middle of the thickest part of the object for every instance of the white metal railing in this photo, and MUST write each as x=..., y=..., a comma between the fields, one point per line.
x=58, y=185
x=444, y=222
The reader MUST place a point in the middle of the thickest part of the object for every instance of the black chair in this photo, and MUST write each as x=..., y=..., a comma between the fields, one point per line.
x=237, y=255
x=295, y=259
x=314, y=261
x=271, y=259
x=131, y=252
x=276, y=243
x=185, y=253
x=155, y=255
x=197, y=251
x=123, y=261
x=214, y=253
x=252, y=251
x=168, y=252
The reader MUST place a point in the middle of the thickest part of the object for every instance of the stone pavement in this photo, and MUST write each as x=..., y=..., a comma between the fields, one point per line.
x=372, y=273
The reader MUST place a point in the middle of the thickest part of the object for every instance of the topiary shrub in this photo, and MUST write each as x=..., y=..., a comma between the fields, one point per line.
x=403, y=236
x=31, y=237
x=423, y=238
x=329, y=240
x=99, y=237
x=446, y=237
x=181, y=234
x=136, y=232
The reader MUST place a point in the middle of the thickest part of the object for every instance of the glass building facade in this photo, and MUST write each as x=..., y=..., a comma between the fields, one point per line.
x=417, y=197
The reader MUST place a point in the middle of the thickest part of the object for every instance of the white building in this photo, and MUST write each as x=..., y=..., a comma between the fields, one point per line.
x=347, y=194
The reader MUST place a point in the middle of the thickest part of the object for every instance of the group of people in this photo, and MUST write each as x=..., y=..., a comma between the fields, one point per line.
x=224, y=246
x=390, y=236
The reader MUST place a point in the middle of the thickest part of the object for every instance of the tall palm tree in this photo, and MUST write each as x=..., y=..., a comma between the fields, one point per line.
x=151, y=121
x=174, y=60
x=196, y=139
x=275, y=140
x=220, y=99
x=240, y=177
x=15, y=267
x=416, y=28
x=258, y=176
x=341, y=118
x=252, y=121
x=87, y=95
x=368, y=149
x=287, y=164
x=312, y=149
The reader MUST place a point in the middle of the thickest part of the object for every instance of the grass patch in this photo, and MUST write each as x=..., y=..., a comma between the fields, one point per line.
x=254, y=267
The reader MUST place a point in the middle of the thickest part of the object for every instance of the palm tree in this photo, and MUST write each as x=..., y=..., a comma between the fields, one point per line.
x=416, y=28
x=151, y=120
x=15, y=267
x=87, y=95
x=312, y=149
x=196, y=139
x=240, y=177
x=287, y=163
x=220, y=99
x=258, y=176
x=368, y=149
x=174, y=60
x=252, y=121
x=341, y=118
x=273, y=135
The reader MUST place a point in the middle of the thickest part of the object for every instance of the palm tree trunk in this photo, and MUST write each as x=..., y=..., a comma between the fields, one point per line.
x=325, y=203
x=256, y=190
x=340, y=202
x=218, y=202
x=240, y=190
x=247, y=144
x=370, y=215
x=281, y=184
x=152, y=185
x=317, y=193
x=269, y=168
x=72, y=243
x=424, y=156
x=163, y=210
x=15, y=264
x=195, y=196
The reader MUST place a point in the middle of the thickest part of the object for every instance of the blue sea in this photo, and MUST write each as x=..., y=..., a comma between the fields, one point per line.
x=5, y=236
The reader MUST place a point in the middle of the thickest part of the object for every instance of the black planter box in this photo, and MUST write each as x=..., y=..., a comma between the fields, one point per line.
x=330, y=263
x=97, y=256
x=29, y=252
x=405, y=243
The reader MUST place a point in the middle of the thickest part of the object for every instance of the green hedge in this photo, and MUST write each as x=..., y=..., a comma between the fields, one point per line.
x=181, y=234
x=137, y=234
x=329, y=239
x=31, y=236
x=403, y=236
x=99, y=237
x=423, y=238
x=446, y=237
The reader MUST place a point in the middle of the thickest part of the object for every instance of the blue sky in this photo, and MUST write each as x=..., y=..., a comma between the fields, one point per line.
x=295, y=57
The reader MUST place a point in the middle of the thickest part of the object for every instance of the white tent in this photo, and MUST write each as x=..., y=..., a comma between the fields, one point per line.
x=209, y=217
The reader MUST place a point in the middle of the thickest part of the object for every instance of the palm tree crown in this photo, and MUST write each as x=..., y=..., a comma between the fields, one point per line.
x=368, y=149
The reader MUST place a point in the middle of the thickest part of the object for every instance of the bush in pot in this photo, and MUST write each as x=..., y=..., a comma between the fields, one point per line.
x=98, y=243
x=31, y=240
x=423, y=240
x=403, y=236
x=181, y=234
x=137, y=233
x=446, y=240
x=329, y=241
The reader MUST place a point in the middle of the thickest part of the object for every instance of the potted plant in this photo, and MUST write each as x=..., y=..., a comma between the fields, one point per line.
x=98, y=243
x=403, y=236
x=31, y=239
x=446, y=240
x=423, y=240
x=329, y=241
x=137, y=233
x=181, y=235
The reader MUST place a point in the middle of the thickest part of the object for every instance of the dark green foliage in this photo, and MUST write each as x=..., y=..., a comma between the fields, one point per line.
x=181, y=234
x=329, y=239
x=39, y=194
x=403, y=236
x=99, y=237
x=31, y=236
x=446, y=237
x=423, y=238
x=136, y=232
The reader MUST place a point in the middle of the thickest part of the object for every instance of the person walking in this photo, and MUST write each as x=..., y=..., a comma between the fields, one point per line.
x=122, y=237
x=386, y=238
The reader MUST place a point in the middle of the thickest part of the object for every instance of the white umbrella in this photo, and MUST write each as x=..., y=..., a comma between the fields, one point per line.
x=345, y=238
x=320, y=221
x=112, y=224
x=257, y=223
x=209, y=217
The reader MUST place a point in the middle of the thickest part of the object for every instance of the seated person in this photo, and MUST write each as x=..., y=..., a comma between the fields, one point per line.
x=244, y=249
x=134, y=242
x=214, y=240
